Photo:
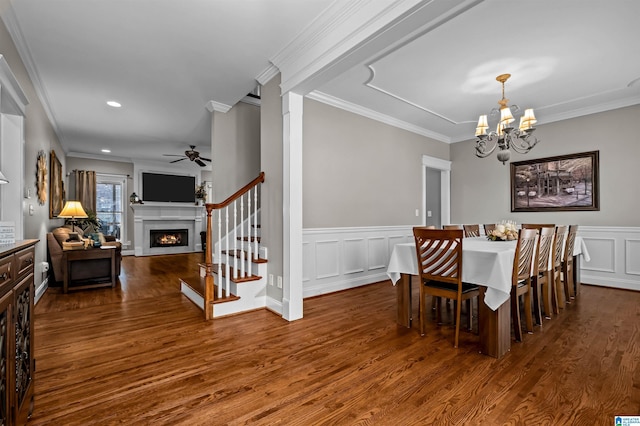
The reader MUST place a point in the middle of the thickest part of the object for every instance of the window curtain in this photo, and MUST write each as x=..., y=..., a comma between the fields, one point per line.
x=86, y=189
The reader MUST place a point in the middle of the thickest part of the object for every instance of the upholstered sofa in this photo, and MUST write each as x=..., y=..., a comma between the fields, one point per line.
x=89, y=271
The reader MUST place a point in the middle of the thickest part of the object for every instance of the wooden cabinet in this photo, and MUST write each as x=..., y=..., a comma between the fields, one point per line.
x=16, y=332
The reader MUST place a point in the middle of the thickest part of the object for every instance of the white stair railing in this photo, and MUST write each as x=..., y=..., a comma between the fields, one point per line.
x=238, y=250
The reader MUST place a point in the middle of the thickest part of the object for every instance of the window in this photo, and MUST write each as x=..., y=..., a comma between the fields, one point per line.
x=110, y=190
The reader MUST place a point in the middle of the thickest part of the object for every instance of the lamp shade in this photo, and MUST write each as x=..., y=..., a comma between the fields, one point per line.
x=3, y=179
x=505, y=116
x=72, y=209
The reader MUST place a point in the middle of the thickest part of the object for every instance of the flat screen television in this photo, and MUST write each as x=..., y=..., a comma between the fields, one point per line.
x=168, y=188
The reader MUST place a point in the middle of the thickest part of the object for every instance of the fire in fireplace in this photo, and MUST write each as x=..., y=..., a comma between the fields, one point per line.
x=169, y=237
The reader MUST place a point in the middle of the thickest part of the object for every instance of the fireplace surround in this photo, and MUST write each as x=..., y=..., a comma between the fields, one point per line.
x=150, y=217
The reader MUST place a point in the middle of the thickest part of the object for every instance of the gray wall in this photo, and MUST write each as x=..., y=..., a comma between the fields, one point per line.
x=39, y=135
x=271, y=163
x=360, y=172
x=235, y=149
x=480, y=186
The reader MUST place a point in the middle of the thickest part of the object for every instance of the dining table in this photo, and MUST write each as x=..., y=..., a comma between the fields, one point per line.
x=486, y=263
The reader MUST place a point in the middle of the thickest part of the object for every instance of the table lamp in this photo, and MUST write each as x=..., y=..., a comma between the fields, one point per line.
x=73, y=210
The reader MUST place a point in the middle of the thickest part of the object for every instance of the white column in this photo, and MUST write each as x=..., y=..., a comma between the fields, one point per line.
x=292, y=104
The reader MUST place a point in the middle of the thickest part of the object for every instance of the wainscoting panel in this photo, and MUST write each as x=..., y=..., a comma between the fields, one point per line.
x=337, y=259
x=614, y=256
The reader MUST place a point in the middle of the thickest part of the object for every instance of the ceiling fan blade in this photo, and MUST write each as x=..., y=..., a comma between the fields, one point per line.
x=175, y=161
x=205, y=159
x=200, y=163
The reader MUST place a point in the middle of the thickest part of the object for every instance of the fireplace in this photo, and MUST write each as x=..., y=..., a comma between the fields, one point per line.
x=168, y=237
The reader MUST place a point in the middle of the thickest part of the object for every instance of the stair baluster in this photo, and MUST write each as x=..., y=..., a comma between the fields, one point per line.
x=219, y=258
x=235, y=238
x=241, y=252
x=248, y=257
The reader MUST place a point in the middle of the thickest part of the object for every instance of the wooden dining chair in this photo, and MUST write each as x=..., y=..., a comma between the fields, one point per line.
x=542, y=273
x=557, y=297
x=570, y=287
x=488, y=227
x=452, y=227
x=471, y=230
x=538, y=225
x=521, y=280
x=439, y=256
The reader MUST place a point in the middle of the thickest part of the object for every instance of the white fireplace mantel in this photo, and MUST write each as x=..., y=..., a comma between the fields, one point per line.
x=166, y=215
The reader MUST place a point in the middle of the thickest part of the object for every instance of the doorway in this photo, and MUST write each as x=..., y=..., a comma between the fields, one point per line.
x=436, y=191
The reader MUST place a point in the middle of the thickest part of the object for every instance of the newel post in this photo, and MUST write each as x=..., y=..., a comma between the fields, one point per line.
x=208, y=280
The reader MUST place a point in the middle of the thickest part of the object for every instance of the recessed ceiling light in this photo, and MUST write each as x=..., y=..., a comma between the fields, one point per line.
x=114, y=104
x=106, y=150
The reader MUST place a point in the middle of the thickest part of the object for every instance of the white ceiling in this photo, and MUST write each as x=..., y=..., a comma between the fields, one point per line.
x=164, y=60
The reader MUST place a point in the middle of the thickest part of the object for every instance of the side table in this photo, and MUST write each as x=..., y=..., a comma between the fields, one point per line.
x=74, y=260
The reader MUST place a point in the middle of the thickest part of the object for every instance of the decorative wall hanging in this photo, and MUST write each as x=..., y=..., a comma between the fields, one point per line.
x=41, y=177
x=56, y=191
x=562, y=183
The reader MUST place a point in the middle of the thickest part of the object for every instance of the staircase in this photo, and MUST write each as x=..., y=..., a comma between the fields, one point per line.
x=233, y=277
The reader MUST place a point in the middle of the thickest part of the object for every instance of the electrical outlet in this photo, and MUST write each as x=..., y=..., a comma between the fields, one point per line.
x=271, y=279
x=428, y=213
x=279, y=281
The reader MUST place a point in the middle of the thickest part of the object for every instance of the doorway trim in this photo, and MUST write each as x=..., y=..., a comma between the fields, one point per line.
x=445, y=187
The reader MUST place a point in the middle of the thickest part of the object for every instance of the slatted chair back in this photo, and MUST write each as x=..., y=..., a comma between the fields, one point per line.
x=558, y=247
x=471, y=230
x=538, y=225
x=439, y=257
x=571, y=288
x=521, y=280
x=488, y=227
x=541, y=273
x=524, y=255
x=452, y=227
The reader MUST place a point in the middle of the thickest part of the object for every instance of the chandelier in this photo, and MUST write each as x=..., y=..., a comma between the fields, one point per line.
x=505, y=136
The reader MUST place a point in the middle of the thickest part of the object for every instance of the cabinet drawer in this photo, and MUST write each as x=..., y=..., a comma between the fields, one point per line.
x=6, y=271
x=24, y=261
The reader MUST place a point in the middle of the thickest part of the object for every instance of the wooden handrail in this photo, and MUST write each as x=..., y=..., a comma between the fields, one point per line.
x=239, y=193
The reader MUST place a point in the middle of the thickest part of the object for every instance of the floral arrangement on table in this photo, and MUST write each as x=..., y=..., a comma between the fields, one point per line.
x=504, y=231
x=201, y=192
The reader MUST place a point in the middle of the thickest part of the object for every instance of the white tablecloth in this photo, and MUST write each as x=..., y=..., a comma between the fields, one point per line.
x=484, y=262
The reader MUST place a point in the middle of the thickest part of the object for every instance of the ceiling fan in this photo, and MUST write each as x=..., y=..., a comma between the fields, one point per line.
x=192, y=155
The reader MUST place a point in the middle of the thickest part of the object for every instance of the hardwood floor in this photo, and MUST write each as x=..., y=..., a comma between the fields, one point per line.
x=142, y=354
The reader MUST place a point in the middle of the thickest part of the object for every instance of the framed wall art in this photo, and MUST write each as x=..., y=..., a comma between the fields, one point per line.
x=562, y=183
x=56, y=191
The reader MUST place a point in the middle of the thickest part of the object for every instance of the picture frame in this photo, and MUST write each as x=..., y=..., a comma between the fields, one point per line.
x=56, y=188
x=561, y=183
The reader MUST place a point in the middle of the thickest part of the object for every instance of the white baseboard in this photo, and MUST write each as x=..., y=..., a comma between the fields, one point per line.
x=41, y=289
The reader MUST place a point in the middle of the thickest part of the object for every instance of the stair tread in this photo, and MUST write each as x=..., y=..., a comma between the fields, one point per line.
x=197, y=284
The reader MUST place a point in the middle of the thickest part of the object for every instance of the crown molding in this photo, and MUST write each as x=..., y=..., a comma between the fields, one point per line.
x=267, y=74
x=340, y=29
x=374, y=115
x=15, y=96
x=11, y=23
x=591, y=109
x=251, y=101
x=212, y=106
